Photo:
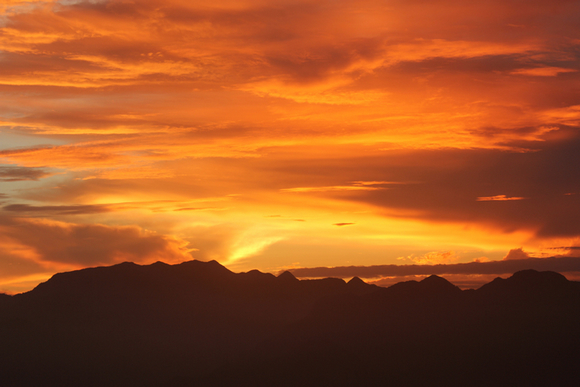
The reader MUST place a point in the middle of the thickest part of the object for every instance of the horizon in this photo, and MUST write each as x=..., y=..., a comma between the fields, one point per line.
x=288, y=135
x=403, y=273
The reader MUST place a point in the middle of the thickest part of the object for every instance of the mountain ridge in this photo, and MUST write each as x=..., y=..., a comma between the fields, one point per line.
x=198, y=323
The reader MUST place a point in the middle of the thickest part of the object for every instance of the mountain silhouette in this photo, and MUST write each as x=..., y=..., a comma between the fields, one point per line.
x=199, y=324
x=288, y=277
x=528, y=283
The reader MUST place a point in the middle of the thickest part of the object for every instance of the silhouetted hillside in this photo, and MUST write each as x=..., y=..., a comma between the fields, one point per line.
x=199, y=324
x=4, y=299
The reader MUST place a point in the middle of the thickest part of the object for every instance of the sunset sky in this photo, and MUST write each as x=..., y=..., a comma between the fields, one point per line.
x=282, y=134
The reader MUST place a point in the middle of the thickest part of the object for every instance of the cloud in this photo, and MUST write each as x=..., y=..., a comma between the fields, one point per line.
x=433, y=258
x=60, y=210
x=129, y=156
x=559, y=264
x=199, y=208
x=499, y=198
x=355, y=186
x=543, y=71
x=342, y=224
x=66, y=156
x=330, y=188
x=448, y=180
x=12, y=173
x=254, y=45
x=516, y=254
x=79, y=245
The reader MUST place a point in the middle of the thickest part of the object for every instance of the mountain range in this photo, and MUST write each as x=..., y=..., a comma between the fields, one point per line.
x=199, y=324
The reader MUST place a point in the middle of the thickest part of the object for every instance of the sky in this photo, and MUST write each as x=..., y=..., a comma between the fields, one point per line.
x=284, y=135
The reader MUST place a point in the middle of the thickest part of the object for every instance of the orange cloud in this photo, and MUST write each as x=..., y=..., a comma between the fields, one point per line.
x=331, y=188
x=13, y=173
x=433, y=258
x=516, y=254
x=356, y=186
x=544, y=71
x=500, y=198
x=77, y=245
x=128, y=152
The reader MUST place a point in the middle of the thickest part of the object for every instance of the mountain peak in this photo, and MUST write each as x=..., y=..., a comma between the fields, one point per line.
x=538, y=276
x=435, y=282
x=356, y=281
x=527, y=283
x=213, y=265
x=432, y=285
x=288, y=277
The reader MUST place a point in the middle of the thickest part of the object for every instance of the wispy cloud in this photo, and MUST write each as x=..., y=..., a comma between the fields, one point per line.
x=355, y=186
x=544, y=71
x=200, y=208
x=498, y=198
x=331, y=188
x=13, y=173
x=62, y=210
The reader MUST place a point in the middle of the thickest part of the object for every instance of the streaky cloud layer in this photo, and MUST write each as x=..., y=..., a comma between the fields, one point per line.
x=560, y=264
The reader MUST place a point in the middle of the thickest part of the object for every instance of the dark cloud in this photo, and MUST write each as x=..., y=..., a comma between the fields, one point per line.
x=11, y=173
x=479, y=64
x=342, y=224
x=447, y=182
x=24, y=63
x=558, y=264
x=58, y=210
x=318, y=63
x=567, y=251
x=197, y=208
x=500, y=64
x=48, y=241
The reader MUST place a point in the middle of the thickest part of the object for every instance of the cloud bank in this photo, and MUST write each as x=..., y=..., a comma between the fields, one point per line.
x=558, y=264
x=61, y=244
